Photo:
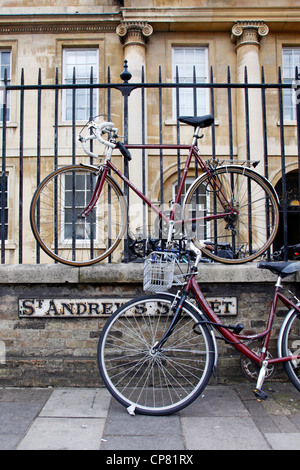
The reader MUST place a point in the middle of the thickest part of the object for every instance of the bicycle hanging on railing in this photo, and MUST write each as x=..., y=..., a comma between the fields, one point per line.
x=79, y=215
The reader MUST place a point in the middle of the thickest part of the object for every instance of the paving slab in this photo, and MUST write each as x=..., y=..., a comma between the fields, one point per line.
x=222, y=433
x=64, y=434
x=77, y=403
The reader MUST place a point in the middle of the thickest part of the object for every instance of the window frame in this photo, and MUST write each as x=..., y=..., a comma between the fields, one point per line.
x=9, y=77
x=289, y=110
x=86, y=79
x=187, y=79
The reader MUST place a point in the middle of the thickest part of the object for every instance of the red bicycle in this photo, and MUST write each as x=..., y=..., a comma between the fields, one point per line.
x=79, y=213
x=156, y=353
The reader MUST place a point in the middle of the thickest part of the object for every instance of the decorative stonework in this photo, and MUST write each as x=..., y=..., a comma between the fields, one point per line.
x=248, y=32
x=134, y=32
x=54, y=28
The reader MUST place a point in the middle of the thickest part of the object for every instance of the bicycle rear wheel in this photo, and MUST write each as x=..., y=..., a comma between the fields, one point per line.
x=60, y=229
x=154, y=383
x=235, y=238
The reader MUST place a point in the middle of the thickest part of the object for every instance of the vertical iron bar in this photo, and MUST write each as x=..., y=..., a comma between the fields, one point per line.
x=195, y=114
x=38, y=172
x=178, y=124
x=3, y=175
x=125, y=75
x=21, y=152
x=229, y=115
x=144, y=189
x=56, y=189
x=247, y=120
x=93, y=212
x=73, y=162
x=212, y=104
x=109, y=118
x=297, y=92
x=264, y=119
x=108, y=95
x=284, y=188
x=265, y=144
x=161, y=164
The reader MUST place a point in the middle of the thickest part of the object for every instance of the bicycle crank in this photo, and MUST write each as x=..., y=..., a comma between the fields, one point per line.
x=251, y=370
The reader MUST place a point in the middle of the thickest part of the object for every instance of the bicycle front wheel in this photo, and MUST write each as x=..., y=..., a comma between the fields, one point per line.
x=244, y=234
x=57, y=222
x=154, y=383
x=290, y=345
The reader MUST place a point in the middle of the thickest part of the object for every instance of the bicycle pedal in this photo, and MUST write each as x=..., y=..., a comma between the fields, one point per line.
x=260, y=395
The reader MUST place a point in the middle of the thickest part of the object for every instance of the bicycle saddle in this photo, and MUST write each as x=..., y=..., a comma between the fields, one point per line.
x=282, y=268
x=197, y=121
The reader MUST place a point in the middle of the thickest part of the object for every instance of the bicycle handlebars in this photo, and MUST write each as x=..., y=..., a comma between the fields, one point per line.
x=104, y=128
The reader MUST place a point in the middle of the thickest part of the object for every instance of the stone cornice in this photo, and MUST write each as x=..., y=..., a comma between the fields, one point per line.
x=56, y=24
x=213, y=19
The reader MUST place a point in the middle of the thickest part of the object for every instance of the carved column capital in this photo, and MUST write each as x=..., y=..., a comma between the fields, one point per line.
x=248, y=32
x=134, y=33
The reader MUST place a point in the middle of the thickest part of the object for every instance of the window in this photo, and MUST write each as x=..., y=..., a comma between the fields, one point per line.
x=83, y=61
x=290, y=60
x=186, y=61
x=197, y=208
x=4, y=198
x=5, y=65
x=82, y=197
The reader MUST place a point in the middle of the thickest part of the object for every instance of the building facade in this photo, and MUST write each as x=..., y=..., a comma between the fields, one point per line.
x=163, y=41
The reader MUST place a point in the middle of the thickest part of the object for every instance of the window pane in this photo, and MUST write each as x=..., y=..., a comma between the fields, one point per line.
x=5, y=65
x=191, y=64
x=82, y=60
x=290, y=60
x=81, y=199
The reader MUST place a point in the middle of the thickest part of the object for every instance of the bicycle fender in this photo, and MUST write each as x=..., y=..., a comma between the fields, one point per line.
x=266, y=181
x=238, y=167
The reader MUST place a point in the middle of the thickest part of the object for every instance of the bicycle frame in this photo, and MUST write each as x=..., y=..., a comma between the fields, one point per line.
x=237, y=340
x=192, y=152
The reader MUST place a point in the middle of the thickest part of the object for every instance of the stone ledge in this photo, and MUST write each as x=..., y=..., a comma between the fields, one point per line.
x=131, y=273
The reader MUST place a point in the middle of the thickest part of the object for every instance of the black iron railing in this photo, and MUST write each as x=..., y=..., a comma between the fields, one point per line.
x=46, y=126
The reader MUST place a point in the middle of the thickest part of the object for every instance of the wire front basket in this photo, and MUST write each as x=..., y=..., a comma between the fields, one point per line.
x=159, y=271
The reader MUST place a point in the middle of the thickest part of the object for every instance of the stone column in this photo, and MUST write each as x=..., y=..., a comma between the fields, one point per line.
x=247, y=35
x=134, y=36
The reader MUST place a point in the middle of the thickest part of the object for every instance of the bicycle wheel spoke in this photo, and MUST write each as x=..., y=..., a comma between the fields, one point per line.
x=155, y=381
x=241, y=214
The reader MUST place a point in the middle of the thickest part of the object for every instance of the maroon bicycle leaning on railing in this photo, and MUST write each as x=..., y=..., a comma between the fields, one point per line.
x=79, y=213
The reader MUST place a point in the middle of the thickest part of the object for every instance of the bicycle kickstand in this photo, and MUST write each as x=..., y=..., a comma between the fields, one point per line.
x=260, y=395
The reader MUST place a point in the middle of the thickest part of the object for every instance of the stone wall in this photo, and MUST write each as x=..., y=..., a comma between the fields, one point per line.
x=60, y=349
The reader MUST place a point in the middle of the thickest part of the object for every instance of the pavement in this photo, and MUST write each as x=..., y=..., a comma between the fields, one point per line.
x=224, y=417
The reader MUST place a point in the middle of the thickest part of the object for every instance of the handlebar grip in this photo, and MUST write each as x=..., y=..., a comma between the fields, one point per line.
x=124, y=151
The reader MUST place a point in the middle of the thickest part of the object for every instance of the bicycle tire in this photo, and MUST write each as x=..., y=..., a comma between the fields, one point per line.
x=161, y=383
x=234, y=239
x=57, y=224
x=290, y=344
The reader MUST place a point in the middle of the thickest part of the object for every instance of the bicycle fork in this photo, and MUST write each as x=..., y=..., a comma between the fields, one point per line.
x=176, y=308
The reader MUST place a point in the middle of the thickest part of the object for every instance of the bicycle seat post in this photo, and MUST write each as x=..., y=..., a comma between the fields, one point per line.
x=196, y=136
